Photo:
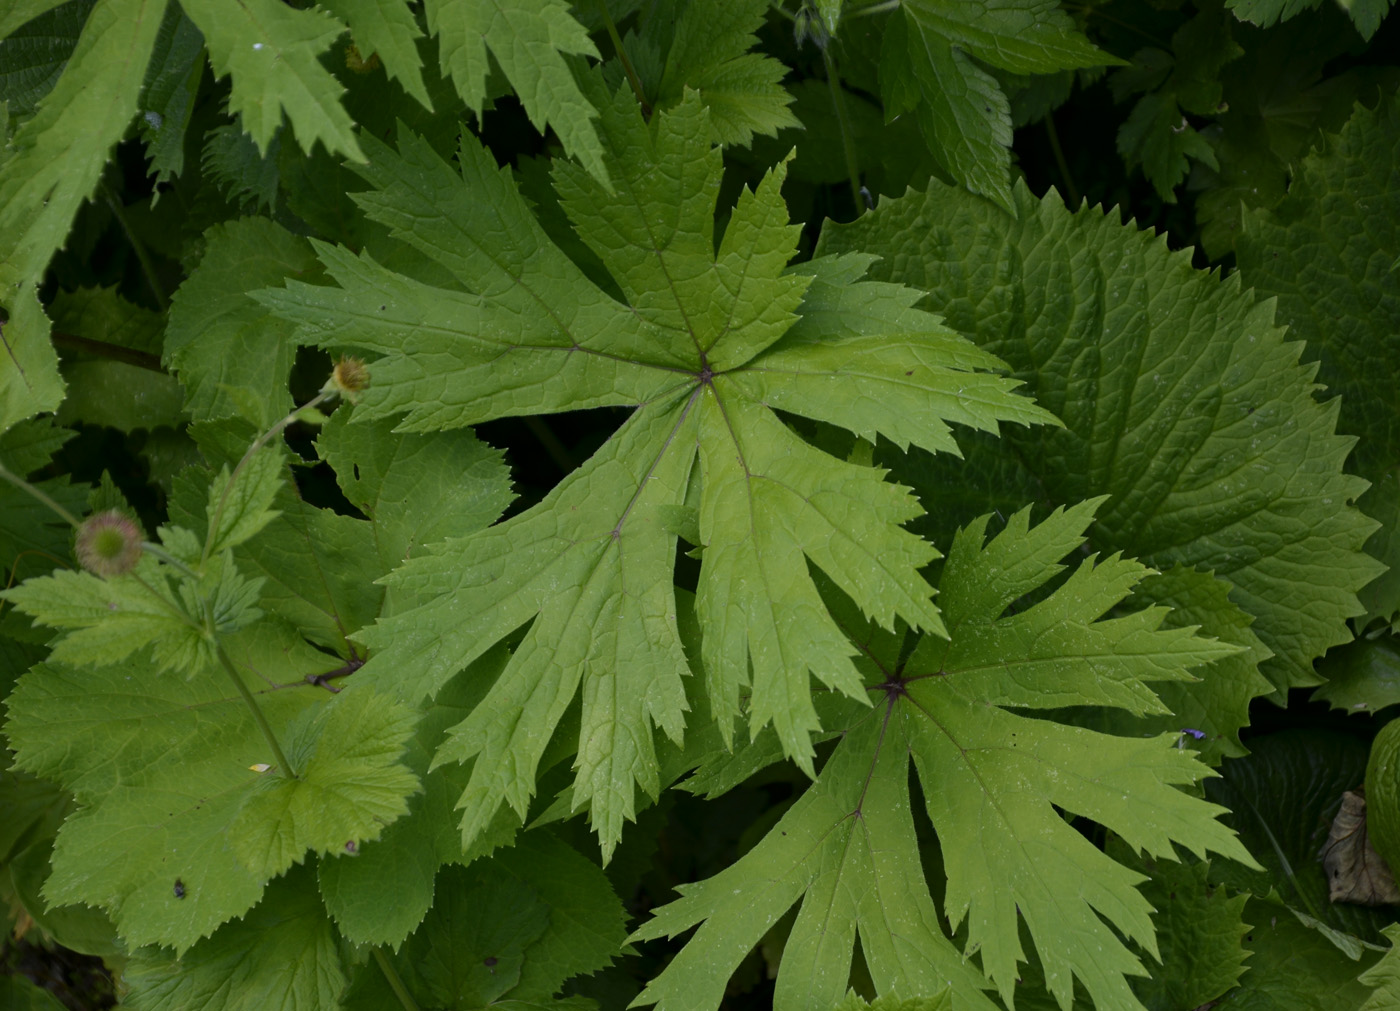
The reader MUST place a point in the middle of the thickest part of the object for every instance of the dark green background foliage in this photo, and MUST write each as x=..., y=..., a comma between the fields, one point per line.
x=858, y=503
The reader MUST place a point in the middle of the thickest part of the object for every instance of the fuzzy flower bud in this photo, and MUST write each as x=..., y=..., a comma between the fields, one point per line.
x=109, y=544
x=350, y=378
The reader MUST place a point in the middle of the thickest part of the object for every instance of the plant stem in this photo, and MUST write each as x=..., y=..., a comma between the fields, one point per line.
x=627, y=68
x=168, y=559
x=1071, y=191
x=848, y=140
x=112, y=352
x=395, y=984
x=24, y=485
x=258, y=444
x=865, y=12
x=253, y=707
x=148, y=269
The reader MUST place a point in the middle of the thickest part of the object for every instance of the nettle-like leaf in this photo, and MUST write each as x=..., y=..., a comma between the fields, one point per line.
x=931, y=65
x=1179, y=395
x=848, y=848
x=709, y=343
x=387, y=29
x=1326, y=253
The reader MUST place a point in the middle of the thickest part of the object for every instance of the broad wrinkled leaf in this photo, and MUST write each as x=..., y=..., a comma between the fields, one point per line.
x=848, y=850
x=708, y=343
x=1325, y=252
x=1293, y=966
x=1384, y=976
x=1179, y=395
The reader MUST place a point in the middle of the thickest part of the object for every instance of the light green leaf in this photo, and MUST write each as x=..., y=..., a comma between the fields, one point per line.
x=59, y=153
x=29, y=379
x=1325, y=253
x=282, y=956
x=849, y=845
x=349, y=784
x=20, y=12
x=159, y=766
x=112, y=618
x=927, y=65
x=1209, y=710
x=1384, y=976
x=709, y=51
x=590, y=568
x=240, y=500
x=417, y=489
x=387, y=29
x=219, y=340
x=271, y=50
x=1210, y=441
x=530, y=40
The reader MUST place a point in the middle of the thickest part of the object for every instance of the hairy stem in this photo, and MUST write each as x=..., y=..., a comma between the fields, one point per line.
x=284, y=766
x=24, y=485
x=105, y=349
x=395, y=983
x=148, y=268
x=848, y=139
x=627, y=68
x=1071, y=191
x=258, y=444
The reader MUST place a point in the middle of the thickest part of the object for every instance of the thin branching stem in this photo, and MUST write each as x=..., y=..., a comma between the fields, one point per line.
x=1071, y=191
x=395, y=983
x=24, y=485
x=848, y=138
x=627, y=68
x=148, y=268
x=225, y=661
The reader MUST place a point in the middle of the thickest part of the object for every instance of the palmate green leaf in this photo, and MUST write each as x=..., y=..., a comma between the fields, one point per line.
x=530, y=41
x=172, y=780
x=1325, y=252
x=847, y=848
x=282, y=956
x=1179, y=395
x=708, y=340
x=271, y=51
x=927, y=66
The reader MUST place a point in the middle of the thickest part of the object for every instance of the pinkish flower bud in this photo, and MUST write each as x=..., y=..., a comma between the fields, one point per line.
x=109, y=544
